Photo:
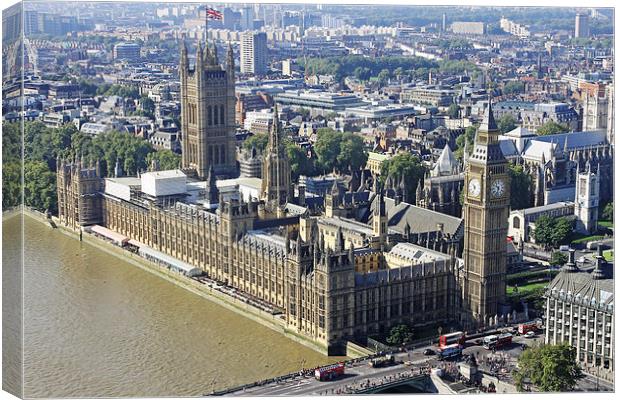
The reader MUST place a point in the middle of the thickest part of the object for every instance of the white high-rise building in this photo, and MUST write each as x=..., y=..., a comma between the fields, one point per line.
x=254, y=53
x=586, y=200
x=582, y=25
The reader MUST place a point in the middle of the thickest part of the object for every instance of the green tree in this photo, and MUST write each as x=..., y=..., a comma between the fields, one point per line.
x=362, y=73
x=551, y=368
x=544, y=230
x=453, y=111
x=166, y=159
x=551, y=128
x=558, y=258
x=399, y=72
x=520, y=187
x=608, y=212
x=352, y=154
x=410, y=166
x=552, y=231
x=327, y=148
x=11, y=184
x=400, y=335
x=259, y=141
x=40, y=186
x=148, y=106
x=384, y=76
x=300, y=163
x=561, y=231
x=506, y=123
x=304, y=112
x=513, y=87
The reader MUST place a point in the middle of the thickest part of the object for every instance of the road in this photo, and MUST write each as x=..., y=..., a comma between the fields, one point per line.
x=411, y=361
x=353, y=377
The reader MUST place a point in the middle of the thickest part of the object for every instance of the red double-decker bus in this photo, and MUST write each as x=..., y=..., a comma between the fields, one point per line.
x=452, y=338
x=497, y=341
x=329, y=372
x=527, y=327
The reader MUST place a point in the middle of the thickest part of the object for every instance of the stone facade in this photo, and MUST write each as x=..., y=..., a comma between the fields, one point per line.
x=485, y=210
x=208, y=112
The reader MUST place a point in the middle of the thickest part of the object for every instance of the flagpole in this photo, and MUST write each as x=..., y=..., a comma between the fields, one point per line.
x=206, y=23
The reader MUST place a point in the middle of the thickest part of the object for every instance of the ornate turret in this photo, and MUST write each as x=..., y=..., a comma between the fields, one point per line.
x=276, y=183
x=212, y=194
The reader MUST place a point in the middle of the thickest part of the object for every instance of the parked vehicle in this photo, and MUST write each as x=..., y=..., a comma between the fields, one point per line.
x=530, y=334
x=564, y=247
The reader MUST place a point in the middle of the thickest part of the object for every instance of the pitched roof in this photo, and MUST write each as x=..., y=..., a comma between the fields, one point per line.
x=446, y=163
x=420, y=219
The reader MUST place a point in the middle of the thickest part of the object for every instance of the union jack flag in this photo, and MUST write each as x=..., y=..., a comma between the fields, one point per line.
x=213, y=13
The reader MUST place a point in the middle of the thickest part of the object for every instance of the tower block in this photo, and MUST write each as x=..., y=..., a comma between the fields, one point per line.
x=208, y=112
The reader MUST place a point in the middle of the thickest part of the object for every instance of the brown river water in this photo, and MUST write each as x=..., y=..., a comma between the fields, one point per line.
x=96, y=325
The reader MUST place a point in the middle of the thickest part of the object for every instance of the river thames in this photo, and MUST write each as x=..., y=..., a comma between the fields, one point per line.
x=96, y=326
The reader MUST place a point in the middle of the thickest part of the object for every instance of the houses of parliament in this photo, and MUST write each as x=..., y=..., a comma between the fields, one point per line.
x=353, y=266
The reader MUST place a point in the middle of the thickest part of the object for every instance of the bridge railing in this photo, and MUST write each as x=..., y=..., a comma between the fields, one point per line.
x=283, y=378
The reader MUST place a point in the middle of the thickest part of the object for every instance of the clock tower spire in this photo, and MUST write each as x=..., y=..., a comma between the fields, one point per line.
x=485, y=211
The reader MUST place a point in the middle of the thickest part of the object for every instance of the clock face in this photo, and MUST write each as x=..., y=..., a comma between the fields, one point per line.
x=497, y=188
x=474, y=187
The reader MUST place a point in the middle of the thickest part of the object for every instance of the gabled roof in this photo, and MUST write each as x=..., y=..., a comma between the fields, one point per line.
x=420, y=219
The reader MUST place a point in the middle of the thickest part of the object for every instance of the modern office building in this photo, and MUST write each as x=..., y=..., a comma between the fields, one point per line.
x=254, y=53
x=582, y=25
x=580, y=312
x=127, y=51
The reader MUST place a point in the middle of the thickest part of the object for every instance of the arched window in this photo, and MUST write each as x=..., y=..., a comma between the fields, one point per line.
x=516, y=223
x=209, y=119
x=222, y=119
x=215, y=116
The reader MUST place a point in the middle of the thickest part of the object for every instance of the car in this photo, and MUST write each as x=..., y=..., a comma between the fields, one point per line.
x=530, y=334
x=581, y=259
x=564, y=247
x=429, y=352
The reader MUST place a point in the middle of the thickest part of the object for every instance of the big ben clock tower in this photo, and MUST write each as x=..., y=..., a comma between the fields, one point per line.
x=485, y=210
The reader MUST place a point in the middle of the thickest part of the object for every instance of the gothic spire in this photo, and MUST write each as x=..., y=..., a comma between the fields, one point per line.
x=488, y=122
x=212, y=192
x=274, y=136
x=214, y=54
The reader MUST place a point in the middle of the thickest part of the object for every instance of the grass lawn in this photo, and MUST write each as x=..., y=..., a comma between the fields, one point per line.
x=585, y=239
x=606, y=224
x=609, y=255
x=525, y=289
